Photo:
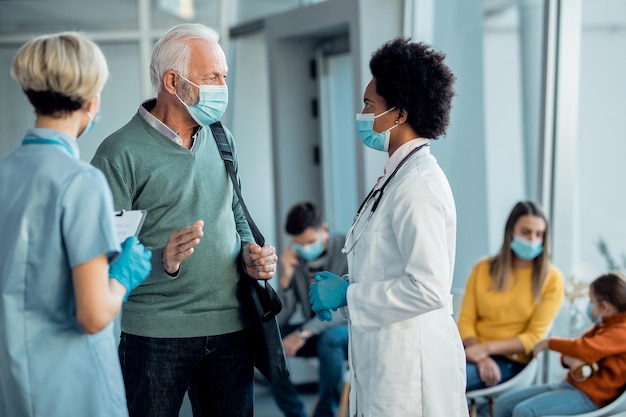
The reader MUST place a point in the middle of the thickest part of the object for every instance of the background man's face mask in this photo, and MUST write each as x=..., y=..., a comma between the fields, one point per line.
x=370, y=138
x=212, y=102
x=311, y=251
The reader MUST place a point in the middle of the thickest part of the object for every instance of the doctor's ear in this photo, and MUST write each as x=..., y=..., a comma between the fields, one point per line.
x=402, y=116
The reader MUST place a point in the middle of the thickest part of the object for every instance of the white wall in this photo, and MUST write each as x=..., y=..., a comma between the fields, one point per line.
x=120, y=100
x=250, y=125
x=462, y=152
x=503, y=122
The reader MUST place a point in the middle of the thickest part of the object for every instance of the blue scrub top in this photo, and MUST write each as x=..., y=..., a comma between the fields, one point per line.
x=56, y=213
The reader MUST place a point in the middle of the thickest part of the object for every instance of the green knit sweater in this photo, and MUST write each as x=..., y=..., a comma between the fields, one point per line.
x=178, y=186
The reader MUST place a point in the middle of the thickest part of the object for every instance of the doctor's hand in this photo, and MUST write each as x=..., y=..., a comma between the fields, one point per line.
x=328, y=292
x=132, y=266
x=489, y=371
x=180, y=246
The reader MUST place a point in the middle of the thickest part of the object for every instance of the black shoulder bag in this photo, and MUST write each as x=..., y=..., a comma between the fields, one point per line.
x=261, y=301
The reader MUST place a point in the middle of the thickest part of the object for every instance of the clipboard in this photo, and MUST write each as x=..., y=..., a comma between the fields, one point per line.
x=128, y=223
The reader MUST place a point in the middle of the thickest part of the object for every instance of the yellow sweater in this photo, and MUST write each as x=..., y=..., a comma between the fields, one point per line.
x=489, y=316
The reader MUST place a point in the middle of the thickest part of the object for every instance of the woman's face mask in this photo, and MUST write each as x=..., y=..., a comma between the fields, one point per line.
x=90, y=124
x=370, y=138
x=212, y=102
x=525, y=249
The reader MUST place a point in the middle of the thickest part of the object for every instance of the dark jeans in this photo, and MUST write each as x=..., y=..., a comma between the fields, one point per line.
x=508, y=369
x=216, y=371
x=331, y=348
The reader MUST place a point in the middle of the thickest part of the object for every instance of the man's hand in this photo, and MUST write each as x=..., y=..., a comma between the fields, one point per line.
x=260, y=261
x=489, y=371
x=292, y=343
x=288, y=264
x=180, y=246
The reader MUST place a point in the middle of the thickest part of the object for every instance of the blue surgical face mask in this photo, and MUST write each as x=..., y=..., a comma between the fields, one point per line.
x=311, y=251
x=211, y=105
x=525, y=249
x=370, y=138
x=590, y=314
x=92, y=121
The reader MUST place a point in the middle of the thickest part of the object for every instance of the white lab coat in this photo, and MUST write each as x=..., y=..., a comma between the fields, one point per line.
x=406, y=356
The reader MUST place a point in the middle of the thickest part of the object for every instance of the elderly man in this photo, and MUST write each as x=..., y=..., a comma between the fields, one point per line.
x=185, y=329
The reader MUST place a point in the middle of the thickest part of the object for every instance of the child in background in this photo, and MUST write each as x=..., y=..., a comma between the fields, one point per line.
x=596, y=361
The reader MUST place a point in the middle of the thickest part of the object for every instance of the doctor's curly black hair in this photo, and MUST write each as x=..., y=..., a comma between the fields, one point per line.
x=412, y=76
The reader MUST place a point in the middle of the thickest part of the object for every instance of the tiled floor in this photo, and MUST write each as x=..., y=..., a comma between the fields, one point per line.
x=264, y=404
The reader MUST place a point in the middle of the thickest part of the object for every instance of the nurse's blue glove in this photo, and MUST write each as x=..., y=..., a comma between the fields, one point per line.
x=132, y=266
x=328, y=292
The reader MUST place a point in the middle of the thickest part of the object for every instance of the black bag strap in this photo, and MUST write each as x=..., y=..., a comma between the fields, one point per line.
x=271, y=304
x=226, y=152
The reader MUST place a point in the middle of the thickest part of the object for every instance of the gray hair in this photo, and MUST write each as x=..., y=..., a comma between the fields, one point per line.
x=171, y=52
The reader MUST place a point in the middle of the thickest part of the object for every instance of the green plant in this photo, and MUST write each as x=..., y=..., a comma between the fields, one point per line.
x=611, y=263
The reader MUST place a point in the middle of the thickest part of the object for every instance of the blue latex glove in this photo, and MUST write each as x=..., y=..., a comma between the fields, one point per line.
x=324, y=315
x=328, y=292
x=132, y=266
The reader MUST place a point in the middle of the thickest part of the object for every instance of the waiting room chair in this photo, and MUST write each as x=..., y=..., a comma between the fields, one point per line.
x=616, y=408
x=345, y=395
x=525, y=378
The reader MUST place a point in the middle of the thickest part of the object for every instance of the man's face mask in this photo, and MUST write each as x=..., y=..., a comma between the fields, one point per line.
x=211, y=105
x=370, y=138
x=311, y=251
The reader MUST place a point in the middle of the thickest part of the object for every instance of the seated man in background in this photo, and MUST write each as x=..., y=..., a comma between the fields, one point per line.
x=312, y=249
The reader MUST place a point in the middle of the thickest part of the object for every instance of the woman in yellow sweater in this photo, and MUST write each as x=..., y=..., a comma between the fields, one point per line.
x=510, y=300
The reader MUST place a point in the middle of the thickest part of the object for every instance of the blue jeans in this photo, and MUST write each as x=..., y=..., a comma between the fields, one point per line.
x=508, y=369
x=542, y=400
x=331, y=348
x=216, y=371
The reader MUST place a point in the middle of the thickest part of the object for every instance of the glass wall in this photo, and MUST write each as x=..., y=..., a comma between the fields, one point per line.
x=601, y=168
x=600, y=224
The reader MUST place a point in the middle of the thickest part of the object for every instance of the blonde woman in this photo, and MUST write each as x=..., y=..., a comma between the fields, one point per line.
x=58, y=293
x=510, y=300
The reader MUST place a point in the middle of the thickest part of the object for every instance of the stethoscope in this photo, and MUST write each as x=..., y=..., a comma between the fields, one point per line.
x=376, y=194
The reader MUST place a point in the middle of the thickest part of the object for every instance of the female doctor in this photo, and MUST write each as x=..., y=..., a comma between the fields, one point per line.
x=58, y=293
x=406, y=356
